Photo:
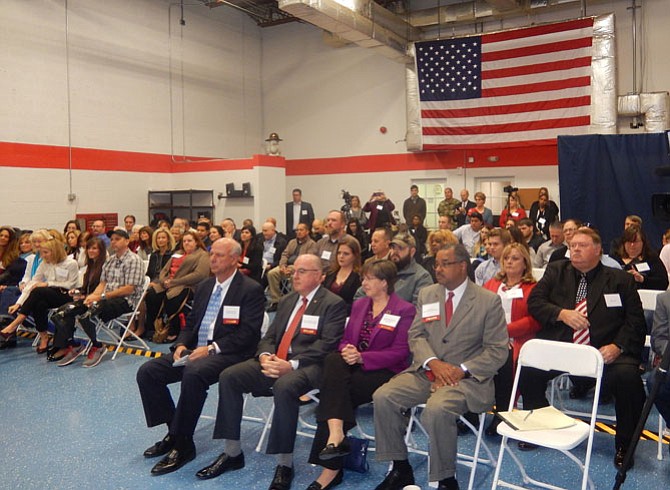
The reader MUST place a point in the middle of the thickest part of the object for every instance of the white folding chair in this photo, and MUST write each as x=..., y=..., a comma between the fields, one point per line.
x=470, y=461
x=577, y=360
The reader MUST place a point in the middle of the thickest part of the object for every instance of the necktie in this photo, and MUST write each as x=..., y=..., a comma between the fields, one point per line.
x=282, y=350
x=581, y=336
x=449, y=308
x=210, y=315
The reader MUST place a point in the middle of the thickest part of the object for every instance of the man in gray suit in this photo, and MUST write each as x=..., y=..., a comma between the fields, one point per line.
x=458, y=342
x=309, y=324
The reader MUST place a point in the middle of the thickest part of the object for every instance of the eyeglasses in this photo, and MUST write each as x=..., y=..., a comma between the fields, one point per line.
x=302, y=272
x=444, y=265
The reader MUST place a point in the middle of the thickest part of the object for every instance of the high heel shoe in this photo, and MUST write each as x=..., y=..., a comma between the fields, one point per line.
x=7, y=340
x=42, y=350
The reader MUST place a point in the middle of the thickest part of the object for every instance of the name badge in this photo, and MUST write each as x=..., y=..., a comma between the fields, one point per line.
x=309, y=324
x=430, y=312
x=642, y=267
x=389, y=322
x=61, y=273
x=567, y=254
x=515, y=214
x=231, y=315
x=304, y=212
x=245, y=260
x=516, y=293
x=542, y=221
x=177, y=256
x=272, y=250
x=613, y=300
x=380, y=207
x=325, y=255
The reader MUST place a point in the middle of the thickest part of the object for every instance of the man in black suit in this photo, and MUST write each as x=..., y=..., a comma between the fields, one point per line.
x=308, y=325
x=611, y=320
x=297, y=211
x=222, y=329
x=465, y=206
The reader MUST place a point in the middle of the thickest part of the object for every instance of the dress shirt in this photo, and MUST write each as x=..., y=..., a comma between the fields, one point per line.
x=269, y=249
x=297, y=206
x=225, y=285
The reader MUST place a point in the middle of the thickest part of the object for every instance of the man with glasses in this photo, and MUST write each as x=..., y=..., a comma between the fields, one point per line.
x=582, y=301
x=308, y=325
x=458, y=342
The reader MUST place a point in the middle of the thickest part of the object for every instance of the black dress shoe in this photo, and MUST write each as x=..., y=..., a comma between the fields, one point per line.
x=331, y=451
x=160, y=448
x=448, y=484
x=526, y=446
x=222, y=464
x=174, y=460
x=396, y=480
x=620, y=456
x=315, y=485
x=282, y=479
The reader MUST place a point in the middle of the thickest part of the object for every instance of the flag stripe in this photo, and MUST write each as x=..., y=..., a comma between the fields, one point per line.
x=518, y=87
x=543, y=105
x=537, y=68
x=509, y=127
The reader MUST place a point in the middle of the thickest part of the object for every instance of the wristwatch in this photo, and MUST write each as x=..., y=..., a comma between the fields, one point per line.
x=211, y=350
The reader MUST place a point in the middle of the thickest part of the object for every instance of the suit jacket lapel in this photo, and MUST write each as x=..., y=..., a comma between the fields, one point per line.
x=464, y=307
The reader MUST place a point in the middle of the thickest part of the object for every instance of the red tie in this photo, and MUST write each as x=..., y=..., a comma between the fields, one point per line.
x=282, y=350
x=449, y=308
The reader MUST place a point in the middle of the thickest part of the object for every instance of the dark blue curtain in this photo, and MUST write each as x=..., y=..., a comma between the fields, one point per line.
x=604, y=178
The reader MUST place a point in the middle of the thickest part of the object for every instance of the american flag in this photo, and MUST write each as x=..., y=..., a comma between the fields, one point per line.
x=506, y=89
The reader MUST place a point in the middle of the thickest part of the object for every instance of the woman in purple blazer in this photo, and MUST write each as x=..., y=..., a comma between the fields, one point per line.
x=373, y=349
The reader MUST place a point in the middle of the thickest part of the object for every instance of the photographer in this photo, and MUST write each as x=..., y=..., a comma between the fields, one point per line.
x=381, y=211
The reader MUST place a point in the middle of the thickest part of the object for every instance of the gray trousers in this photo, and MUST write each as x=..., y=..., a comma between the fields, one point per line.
x=392, y=403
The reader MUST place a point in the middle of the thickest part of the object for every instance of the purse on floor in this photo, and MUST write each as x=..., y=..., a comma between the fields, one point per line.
x=357, y=459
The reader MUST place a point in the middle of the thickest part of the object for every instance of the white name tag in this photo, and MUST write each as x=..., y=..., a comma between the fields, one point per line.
x=515, y=293
x=325, y=255
x=542, y=221
x=613, y=300
x=567, y=254
x=642, y=267
x=304, y=212
x=430, y=312
x=272, y=250
x=309, y=324
x=515, y=214
x=177, y=256
x=380, y=207
x=231, y=314
x=389, y=321
x=245, y=260
x=61, y=274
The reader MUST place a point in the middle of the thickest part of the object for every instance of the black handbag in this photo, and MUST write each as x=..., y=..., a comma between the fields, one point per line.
x=357, y=459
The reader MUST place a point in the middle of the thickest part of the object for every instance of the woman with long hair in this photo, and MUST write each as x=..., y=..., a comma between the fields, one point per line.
x=343, y=279
x=514, y=210
x=513, y=284
x=355, y=229
x=145, y=248
x=357, y=212
x=176, y=282
x=56, y=274
x=12, y=268
x=638, y=259
x=373, y=349
x=250, y=262
x=65, y=350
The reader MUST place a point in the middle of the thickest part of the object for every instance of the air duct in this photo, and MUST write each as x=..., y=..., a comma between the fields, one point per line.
x=654, y=106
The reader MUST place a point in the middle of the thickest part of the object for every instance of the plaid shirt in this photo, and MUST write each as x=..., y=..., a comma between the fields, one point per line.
x=118, y=272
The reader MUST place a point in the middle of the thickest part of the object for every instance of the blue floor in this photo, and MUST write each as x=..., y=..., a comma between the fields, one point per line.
x=71, y=427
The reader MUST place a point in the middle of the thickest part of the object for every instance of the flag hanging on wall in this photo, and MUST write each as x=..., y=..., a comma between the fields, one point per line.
x=506, y=89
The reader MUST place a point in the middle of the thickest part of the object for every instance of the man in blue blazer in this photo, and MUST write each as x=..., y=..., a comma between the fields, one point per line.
x=308, y=325
x=297, y=211
x=222, y=329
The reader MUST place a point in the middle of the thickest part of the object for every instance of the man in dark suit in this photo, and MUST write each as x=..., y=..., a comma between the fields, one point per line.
x=611, y=319
x=465, y=206
x=308, y=325
x=297, y=211
x=458, y=342
x=222, y=329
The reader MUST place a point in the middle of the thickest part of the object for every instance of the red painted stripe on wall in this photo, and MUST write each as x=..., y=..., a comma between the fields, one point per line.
x=23, y=155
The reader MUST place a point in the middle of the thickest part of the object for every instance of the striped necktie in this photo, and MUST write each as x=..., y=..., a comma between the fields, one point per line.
x=581, y=336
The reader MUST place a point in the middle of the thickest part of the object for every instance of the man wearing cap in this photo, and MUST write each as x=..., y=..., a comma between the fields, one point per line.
x=297, y=211
x=468, y=234
x=118, y=292
x=222, y=329
x=411, y=276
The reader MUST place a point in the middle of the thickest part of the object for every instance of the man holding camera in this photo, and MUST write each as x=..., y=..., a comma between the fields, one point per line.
x=381, y=211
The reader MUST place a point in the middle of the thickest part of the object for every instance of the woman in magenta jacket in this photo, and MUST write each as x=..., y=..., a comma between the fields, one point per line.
x=373, y=349
x=513, y=284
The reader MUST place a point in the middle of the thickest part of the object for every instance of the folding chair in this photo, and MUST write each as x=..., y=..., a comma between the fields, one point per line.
x=124, y=322
x=470, y=461
x=577, y=360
